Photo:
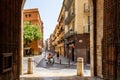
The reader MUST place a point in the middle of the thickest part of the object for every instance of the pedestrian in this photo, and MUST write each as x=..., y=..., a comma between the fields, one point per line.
x=49, y=56
x=57, y=55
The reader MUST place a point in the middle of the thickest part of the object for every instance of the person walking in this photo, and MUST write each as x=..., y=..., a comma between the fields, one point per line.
x=57, y=55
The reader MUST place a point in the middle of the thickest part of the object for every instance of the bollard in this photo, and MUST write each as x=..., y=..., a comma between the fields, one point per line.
x=80, y=67
x=30, y=65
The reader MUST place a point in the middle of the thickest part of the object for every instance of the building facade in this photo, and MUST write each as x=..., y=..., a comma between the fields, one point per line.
x=56, y=38
x=52, y=49
x=47, y=44
x=33, y=16
x=77, y=29
x=61, y=31
x=53, y=41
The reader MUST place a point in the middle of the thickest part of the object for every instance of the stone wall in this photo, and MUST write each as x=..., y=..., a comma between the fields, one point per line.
x=99, y=32
x=81, y=17
x=10, y=41
x=92, y=37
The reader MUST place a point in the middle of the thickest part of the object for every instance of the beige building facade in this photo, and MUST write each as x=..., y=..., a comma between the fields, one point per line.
x=77, y=14
x=77, y=29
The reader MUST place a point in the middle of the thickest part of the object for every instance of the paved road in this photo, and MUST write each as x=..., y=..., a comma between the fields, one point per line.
x=56, y=71
x=41, y=67
x=61, y=78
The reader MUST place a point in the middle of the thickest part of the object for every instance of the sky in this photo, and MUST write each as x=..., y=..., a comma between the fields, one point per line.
x=49, y=11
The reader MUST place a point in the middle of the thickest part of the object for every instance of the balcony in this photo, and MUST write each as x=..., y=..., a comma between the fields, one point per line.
x=70, y=33
x=61, y=20
x=61, y=30
x=68, y=3
x=69, y=18
x=61, y=40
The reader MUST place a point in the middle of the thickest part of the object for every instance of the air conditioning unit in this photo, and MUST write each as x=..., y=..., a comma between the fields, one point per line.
x=86, y=7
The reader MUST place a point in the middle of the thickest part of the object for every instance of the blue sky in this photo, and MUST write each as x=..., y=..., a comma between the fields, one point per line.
x=49, y=11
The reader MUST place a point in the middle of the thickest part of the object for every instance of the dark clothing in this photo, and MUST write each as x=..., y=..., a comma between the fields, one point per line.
x=58, y=55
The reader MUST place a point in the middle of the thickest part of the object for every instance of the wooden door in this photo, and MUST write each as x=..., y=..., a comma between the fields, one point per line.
x=118, y=41
x=109, y=40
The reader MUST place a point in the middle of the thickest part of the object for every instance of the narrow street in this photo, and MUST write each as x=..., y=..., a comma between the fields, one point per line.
x=84, y=36
x=56, y=71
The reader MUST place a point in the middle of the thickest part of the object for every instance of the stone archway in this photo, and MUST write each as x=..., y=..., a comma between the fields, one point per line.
x=10, y=42
x=96, y=36
x=91, y=37
x=104, y=39
x=21, y=41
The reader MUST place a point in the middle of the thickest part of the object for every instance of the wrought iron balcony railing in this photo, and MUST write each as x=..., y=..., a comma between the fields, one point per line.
x=70, y=33
x=68, y=3
x=69, y=18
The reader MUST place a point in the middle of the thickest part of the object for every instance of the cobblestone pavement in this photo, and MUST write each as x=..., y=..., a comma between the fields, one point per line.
x=56, y=71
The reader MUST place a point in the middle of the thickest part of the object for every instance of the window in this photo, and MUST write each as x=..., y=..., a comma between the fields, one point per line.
x=88, y=23
x=73, y=25
x=29, y=15
x=26, y=15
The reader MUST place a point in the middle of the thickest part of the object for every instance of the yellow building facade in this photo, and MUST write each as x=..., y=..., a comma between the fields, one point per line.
x=56, y=39
x=61, y=31
x=58, y=34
